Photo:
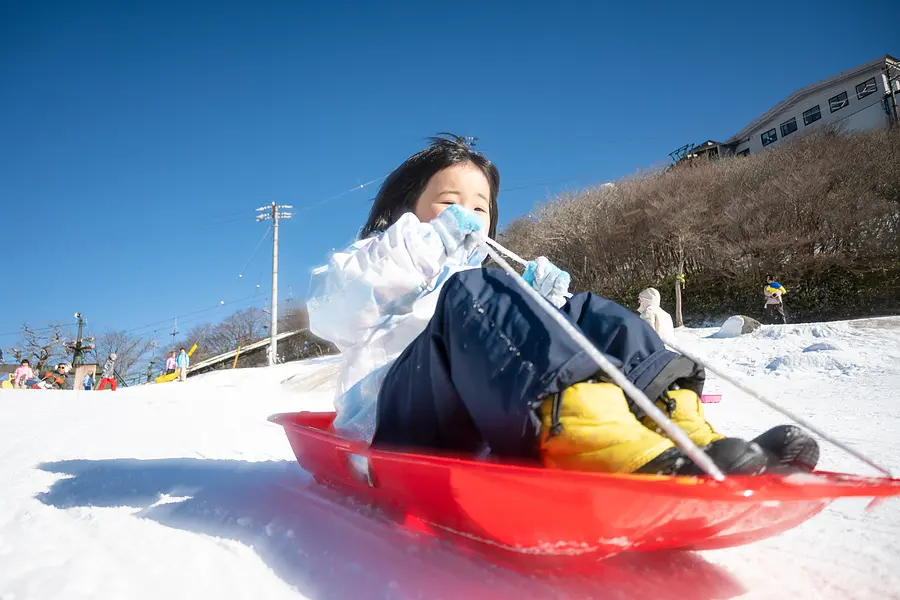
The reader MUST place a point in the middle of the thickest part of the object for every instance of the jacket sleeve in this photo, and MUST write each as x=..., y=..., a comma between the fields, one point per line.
x=373, y=279
x=652, y=318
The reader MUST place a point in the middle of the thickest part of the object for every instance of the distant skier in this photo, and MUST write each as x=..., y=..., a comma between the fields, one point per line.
x=652, y=312
x=774, y=293
x=108, y=376
x=88, y=382
x=182, y=363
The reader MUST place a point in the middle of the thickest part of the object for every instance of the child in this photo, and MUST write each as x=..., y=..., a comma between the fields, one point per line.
x=170, y=363
x=23, y=374
x=108, y=375
x=652, y=312
x=181, y=364
x=441, y=354
x=88, y=382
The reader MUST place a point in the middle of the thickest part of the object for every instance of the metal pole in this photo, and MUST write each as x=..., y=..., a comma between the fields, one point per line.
x=273, y=327
x=275, y=213
x=78, y=359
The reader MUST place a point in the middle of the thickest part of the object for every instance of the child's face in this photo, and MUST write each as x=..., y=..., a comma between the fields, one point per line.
x=461, y=184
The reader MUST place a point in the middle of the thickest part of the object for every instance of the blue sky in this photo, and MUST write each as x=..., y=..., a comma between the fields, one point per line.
x=136, y=139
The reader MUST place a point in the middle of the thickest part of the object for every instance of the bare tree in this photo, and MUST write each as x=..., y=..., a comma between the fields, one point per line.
x=822, y=212
x=242, y=328
x=42, y=347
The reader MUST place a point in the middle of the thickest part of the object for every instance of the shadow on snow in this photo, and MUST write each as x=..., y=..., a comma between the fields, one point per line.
x=330, y=549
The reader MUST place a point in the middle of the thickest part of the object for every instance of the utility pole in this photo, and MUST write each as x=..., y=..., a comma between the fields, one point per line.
x=80, y=347
x=275, y=213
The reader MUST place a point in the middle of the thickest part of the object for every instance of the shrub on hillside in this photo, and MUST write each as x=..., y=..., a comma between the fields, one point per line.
x=821, y=213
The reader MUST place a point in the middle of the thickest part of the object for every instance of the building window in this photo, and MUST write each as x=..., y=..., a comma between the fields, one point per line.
x=769, y=137
x=836, y=103
x=788, y=127
x=744, y=152
x=865, y=88
x=812, y=115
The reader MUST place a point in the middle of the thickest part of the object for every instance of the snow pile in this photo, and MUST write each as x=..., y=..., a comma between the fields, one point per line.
x=184, y=490
x=736, y=326
x=730, y=328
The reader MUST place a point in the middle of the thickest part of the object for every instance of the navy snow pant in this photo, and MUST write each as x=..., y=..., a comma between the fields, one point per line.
x=471, y=381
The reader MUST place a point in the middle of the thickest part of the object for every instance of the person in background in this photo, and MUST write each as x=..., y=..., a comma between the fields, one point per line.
x=88, y=382
x=57, y=378
x=108, y=376
x=23, y=373
x=170, y=364
x=774, y=293
x=182, y=363
x=652, y=313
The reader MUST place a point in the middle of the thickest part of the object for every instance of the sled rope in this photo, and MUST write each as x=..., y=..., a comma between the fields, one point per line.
x=796, y=418
x=675, y=433
x=512, y=255
x=506, y=251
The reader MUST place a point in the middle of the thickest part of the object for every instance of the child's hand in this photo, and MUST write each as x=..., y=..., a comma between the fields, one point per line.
x=458, y=226
x=550, y=281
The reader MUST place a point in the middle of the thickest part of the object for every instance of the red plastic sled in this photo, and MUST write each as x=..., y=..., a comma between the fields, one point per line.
x=515, y=513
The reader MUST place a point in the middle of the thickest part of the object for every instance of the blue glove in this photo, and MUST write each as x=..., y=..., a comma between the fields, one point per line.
x=458, y=227
x=550, y=281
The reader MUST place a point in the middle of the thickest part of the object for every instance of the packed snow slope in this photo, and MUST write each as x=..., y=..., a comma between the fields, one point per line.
x=184, y=490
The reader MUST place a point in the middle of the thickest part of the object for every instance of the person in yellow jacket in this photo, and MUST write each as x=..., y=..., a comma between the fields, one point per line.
x=774, y=293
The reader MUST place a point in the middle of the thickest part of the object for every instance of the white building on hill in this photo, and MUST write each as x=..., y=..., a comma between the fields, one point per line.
x=858, y=99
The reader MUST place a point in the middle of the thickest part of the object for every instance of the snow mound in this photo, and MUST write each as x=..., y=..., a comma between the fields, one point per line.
x=822, y=347
x=815, y=362
x=730, y=328
x=815, y=330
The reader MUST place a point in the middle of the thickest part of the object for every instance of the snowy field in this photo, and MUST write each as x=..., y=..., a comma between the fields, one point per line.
x=183, y=490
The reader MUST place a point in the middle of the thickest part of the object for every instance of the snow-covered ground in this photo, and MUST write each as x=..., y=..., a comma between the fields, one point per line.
x=184, y=490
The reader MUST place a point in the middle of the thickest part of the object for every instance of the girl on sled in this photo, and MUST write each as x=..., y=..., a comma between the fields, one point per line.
x=441, y=354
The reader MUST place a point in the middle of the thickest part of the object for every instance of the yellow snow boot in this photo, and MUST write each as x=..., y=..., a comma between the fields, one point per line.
x=685, y=409
x=589, y=427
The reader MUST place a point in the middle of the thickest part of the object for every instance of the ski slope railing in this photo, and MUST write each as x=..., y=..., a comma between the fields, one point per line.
x=698, y=456
x=248, y=348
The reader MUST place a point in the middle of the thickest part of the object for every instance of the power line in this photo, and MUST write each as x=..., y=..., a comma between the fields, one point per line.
x=342, y=194
x=35, y=330
x=196, y=312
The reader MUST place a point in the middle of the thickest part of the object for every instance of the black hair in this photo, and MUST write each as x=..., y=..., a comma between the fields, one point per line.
x=402, y=188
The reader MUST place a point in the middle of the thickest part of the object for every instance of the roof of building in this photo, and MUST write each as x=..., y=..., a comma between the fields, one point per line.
x=806, y=91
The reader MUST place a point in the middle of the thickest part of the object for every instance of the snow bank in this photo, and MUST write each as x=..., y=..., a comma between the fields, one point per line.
x=184, y=490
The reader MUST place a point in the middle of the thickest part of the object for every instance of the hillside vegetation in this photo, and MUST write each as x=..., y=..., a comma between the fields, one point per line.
x=821, y=213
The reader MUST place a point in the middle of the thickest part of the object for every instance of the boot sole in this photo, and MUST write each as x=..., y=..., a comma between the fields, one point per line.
x=789, y=448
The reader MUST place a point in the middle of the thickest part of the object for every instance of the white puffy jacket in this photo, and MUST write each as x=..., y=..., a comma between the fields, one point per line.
x=653, y=313
x=371, y=301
